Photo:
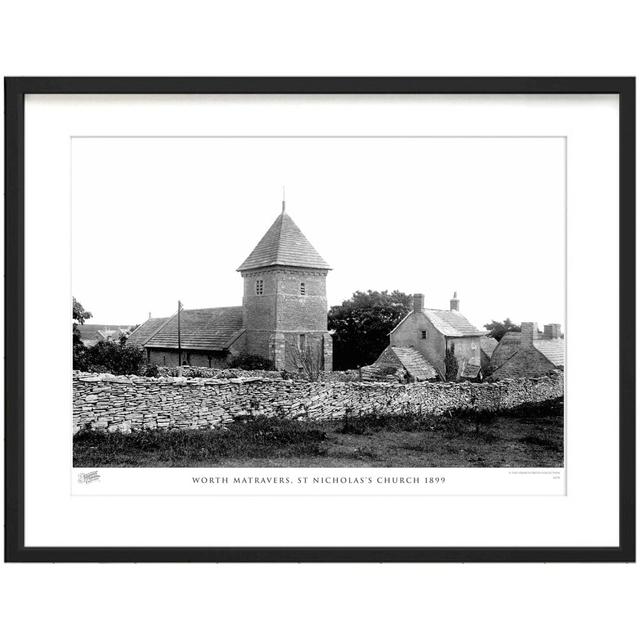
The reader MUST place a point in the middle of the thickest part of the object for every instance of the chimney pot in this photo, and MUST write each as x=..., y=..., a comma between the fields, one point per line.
x=454, y=303
x=418, y=301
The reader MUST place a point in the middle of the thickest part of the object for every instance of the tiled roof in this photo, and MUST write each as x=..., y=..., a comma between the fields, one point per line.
x=201, y=329
x=284, y=244
x=452, y=323
x=488, y=344
x=552, y=349
x=145, y=331
x=415, y=363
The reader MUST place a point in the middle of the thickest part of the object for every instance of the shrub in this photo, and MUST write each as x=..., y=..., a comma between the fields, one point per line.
x=150, y=371
x=110, y=357
x=251, y=362
x=451, y=364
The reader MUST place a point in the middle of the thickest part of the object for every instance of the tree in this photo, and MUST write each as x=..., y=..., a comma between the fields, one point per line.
x=79, y=316
x=79, y=350
x=362, y=325
x=498, y=329
x=451, y=364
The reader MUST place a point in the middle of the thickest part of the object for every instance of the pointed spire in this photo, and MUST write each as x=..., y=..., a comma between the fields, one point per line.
x=284, y=244
x=283, y=200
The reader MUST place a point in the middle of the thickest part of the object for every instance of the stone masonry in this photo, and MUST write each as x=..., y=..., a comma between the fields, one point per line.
x=129, y=403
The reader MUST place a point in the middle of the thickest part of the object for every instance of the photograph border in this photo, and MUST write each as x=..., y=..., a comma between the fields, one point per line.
x=15, y=91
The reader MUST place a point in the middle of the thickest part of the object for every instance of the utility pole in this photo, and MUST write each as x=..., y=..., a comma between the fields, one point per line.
x=179, y=344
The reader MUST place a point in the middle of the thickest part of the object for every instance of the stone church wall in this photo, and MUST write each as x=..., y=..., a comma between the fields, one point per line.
x=124, y=403
x=169, y=358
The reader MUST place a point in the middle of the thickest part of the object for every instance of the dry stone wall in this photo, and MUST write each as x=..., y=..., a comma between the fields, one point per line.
x=188, y=371
x=125, y=403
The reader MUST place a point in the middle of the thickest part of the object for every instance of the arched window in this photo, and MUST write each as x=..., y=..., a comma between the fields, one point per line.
x=259, y=287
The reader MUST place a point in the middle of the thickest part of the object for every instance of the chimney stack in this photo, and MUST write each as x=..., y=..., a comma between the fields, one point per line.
x=149, y=315
x=418, y=301
x=454, y=303
x=551, y=331
x=529, y=331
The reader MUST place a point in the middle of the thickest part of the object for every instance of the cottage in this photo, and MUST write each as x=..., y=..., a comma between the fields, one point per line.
x=283, y=316
x=528, y=353
x=430, y=334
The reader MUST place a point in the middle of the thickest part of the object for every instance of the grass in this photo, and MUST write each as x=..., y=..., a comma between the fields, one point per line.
x=529, y=436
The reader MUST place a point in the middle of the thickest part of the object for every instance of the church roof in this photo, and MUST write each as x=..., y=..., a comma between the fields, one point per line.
x=284, y=245
x=200, y=329
x=144, y=331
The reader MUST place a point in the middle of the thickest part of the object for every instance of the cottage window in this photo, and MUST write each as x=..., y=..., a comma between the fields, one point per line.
x=424, y=335
x=303, y=289
x=259, y=287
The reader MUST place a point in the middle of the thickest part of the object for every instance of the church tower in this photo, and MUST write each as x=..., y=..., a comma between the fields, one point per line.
x=284, y=306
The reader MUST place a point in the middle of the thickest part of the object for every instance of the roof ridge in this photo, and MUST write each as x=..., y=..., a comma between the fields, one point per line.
x=280, y=219
x=231, y=306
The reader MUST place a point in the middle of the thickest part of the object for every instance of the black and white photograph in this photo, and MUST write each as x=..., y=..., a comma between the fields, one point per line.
x=318, y=301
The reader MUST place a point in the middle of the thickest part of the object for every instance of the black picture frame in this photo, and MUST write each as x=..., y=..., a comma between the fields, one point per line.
x=15, y=91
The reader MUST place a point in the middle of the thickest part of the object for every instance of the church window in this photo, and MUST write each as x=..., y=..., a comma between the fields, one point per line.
x=303, y=289
x=424, y=335
x=259, y=287
x=302, y=342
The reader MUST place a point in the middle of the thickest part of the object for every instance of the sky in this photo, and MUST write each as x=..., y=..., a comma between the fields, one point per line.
x=157, y=220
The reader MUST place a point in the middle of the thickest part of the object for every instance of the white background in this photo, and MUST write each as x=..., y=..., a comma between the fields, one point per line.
x=183, y=213
x=491, y=38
